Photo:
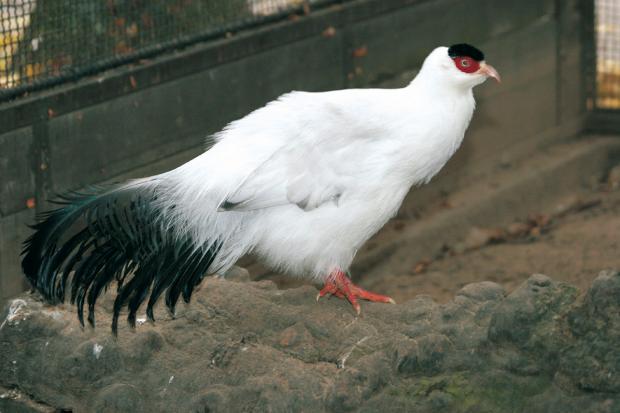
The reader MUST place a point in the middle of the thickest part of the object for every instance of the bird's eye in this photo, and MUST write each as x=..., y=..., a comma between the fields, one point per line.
x=466, y=64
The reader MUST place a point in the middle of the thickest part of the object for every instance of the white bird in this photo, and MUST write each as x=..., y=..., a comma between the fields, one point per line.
x=302, y=183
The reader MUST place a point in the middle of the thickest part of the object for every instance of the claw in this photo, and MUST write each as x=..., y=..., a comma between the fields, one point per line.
x=340, y=285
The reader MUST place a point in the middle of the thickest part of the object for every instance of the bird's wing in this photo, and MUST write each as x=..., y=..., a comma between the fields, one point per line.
x=292, y=175
x=319, y=148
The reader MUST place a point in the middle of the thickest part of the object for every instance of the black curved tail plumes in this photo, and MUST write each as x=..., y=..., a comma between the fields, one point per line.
x=119, y=235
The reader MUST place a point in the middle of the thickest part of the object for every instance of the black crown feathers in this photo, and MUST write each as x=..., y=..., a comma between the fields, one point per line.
x=464, y=49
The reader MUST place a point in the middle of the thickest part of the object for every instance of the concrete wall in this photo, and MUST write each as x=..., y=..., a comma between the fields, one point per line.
x=147, y=118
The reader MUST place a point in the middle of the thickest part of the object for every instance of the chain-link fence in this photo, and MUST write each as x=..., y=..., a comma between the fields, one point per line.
x=44, y=42
x=607, y=29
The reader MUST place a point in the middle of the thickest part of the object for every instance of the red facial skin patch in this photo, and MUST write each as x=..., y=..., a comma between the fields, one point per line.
x=466, y=64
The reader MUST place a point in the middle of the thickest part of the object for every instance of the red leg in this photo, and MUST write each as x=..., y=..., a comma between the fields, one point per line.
x=340, y=285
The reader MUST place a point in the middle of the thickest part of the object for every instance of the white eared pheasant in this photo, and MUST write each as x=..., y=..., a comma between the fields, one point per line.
x=302, y=183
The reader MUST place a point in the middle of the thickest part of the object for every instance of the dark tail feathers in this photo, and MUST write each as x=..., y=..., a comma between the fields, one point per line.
x=117, y=234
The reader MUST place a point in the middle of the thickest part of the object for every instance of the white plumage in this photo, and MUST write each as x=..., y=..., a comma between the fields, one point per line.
x=312, y=176
x=304, y=181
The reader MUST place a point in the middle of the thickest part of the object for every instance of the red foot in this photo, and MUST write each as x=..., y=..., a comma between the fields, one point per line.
x=340, y=285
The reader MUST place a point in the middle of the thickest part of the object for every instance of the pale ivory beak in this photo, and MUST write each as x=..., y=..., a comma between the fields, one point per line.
x=489, y=71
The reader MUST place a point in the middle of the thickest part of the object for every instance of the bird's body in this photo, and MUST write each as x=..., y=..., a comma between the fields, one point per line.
x=302, y=183
x=336, y=169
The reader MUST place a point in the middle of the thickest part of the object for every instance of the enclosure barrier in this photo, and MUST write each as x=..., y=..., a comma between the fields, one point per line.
x=44, y=43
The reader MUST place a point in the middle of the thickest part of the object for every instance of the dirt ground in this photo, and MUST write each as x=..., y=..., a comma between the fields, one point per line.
x=573, y=246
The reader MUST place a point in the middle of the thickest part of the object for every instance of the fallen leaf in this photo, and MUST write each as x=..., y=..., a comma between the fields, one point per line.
x=360, y=51
x=518, y=229
x=329, y=32
x=539, y=220
x=122, y=48
x=421, y=266
x=479, y=237
x=132, y=30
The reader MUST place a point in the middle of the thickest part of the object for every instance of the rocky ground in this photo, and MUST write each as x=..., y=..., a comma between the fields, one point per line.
x=247, y=346
x=571, y=244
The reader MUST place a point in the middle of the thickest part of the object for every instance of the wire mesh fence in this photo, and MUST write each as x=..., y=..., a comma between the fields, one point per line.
x=607, y=29
x=44, y=42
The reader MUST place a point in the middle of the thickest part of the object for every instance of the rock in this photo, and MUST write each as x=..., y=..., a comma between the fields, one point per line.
x=591, y=363
x=250, y=347
x=118, y=397
x=483, y=291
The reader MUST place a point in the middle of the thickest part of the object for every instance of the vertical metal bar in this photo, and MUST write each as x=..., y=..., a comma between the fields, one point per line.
x=588, y=54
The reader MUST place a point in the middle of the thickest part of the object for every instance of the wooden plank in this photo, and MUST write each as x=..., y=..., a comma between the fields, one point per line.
x=571, y=93
x=16, y=170
x=14, y=231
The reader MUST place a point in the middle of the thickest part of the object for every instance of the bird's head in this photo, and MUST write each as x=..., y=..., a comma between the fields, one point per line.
x=460, y=65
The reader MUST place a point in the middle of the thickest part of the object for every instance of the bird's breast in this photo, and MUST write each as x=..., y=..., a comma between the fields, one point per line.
x=434, y=139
